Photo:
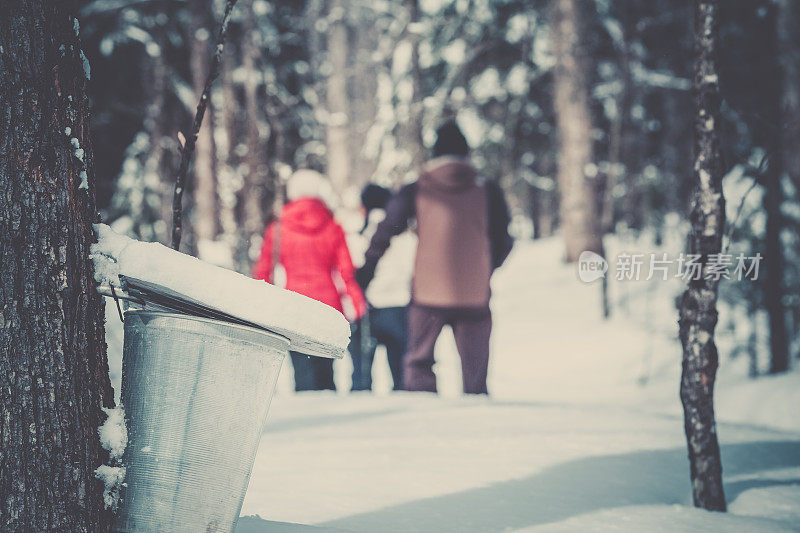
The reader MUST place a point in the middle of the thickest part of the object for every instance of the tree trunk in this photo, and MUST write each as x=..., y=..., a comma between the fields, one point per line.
x=542, y=209
x=698, y=308
x=788, y=33
x=789, y=42
x=416, y=109
x=782, y=135
x=362, y=90
x=205, y=214
x=227, y=185
x=338, y=152
x=154, y=125
x=252, y=196
x=621, y=135
x=53, y=367
x=580, y=221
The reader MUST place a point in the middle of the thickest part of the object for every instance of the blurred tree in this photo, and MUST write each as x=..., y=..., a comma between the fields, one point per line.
x=788, y=35
x=337, y=119
x=205, y=215
x=414, y=30
x=759, y=63
x=698, y=306
x=577, y=170
x=769, y=132
x=252, y=195
x=53, y=367
x=410, y=64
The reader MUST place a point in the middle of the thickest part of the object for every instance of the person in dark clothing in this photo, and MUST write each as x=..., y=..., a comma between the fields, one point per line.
x=387, y=327
x=387, y=296
x=462, y=226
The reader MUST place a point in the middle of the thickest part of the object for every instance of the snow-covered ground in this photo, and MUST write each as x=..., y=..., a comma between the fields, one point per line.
x=582, y=432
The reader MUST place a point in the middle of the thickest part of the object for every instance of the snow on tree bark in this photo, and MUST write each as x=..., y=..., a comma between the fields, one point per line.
x=53, y=367
x=580, y=219
x=698, y=308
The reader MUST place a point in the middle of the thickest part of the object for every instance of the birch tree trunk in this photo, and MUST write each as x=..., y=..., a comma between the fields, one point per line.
x=698, y=308
x=53, y=367
x=580, y=221
x=337, y=130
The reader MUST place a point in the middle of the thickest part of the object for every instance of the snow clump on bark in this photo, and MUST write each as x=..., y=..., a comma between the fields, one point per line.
x=114, y=438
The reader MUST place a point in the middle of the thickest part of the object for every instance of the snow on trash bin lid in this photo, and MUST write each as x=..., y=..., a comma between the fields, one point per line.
x=192, y=286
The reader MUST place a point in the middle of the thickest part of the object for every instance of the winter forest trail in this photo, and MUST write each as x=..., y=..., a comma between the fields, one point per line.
x=582, y=432
x=469, y=465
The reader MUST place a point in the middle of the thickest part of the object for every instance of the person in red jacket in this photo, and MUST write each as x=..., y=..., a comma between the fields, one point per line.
x=311, y=248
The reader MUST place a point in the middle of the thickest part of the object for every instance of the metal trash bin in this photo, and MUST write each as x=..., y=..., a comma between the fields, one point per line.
x=196, y=392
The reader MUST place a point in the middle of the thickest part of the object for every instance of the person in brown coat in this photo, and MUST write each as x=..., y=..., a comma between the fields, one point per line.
x=462, y=226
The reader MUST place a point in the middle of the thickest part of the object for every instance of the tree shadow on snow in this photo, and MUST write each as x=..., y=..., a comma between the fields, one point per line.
x=569, y=489
x=291, y=424
x=735, y=488
x=256, y=524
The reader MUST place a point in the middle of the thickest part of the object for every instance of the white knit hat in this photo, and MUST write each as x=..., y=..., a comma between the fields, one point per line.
x=306, y=183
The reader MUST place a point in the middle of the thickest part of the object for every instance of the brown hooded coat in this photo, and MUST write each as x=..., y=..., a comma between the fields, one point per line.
x=462, y=224
x=453, y=263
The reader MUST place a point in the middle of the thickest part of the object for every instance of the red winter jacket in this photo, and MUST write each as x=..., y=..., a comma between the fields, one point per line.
x=312, y=248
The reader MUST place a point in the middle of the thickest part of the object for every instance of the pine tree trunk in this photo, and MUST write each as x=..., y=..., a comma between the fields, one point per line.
x=580, y=221
x=338, y=146
x=698, y=308
x=53, y=367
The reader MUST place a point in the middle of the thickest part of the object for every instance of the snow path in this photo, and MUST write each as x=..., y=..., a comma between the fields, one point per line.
x=582, y=433
x=418, y=463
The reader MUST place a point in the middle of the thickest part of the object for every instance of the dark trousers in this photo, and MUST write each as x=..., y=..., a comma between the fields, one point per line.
x=471, y=329
x=385, y=326
x=312, y=373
